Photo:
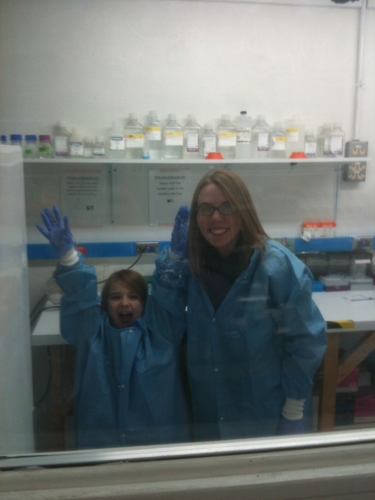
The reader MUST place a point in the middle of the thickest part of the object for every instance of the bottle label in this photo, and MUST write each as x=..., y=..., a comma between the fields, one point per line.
x=310, y=148
x=209, y=145
x=292, y=134
x=192, y=143
x=99, y=151
x=243, y=136
x=173, y=138
x=76, y=148
x=263, y=141
x=227, y=139
x=278, y=143
x=134, y=140
x=61, y=146
x=117, y=143
x=336, y=145
x=153, y=133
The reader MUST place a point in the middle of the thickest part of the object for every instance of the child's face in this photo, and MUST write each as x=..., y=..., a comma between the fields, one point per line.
x=124, y=306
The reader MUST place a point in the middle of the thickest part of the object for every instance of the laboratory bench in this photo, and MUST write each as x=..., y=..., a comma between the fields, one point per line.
x=349, y=313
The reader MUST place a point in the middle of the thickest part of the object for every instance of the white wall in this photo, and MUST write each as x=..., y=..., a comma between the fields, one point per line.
x=91, y=61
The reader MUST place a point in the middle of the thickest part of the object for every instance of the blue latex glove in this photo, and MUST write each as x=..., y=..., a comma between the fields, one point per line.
x=287, y=426
x=180, y=231
x=57, y=230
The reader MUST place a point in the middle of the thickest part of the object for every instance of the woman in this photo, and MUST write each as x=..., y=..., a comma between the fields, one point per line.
x=128, y=388
x=255, y=338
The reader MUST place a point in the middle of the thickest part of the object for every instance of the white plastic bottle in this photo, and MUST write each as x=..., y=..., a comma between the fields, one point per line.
x=61, y=139
x=243, y=135
x=153, y=142
x=226, y=138
x=98, y=150
x=295, y=136
x=324, y=140
x=192, y=139
x=209, y=140
x=173, y=138
x=311, y=144
x=116, y=143
x=278, y=141
x=75, y=145
x=260, y=138
x=337, y=140
x=134, y=138
x=88, y=147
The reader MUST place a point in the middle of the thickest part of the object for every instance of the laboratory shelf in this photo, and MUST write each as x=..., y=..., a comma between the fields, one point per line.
x=271, y=161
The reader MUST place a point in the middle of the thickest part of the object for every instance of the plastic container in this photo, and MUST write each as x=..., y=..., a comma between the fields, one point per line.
x=337, y=141
x=134, y=138
x=88, y=147
x=324, y=140
x=311, y=144
x=45, y=146
x=76, y=145
x=153, y=141
x=278, y=141
x=61, y=140
x=116, y=141
x=98, y=150
x=16, y=140
x=31, y=147
x=192, y=139
x=243, y=135
x=260, y=138
x=209, y=140
x=214, y=155
x=226, y=138
x=295, y=136
x=173, y=138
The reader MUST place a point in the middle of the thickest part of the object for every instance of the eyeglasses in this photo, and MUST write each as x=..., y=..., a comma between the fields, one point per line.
x=208, y=210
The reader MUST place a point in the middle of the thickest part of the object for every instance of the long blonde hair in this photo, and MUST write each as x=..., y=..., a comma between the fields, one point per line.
x=252, y=233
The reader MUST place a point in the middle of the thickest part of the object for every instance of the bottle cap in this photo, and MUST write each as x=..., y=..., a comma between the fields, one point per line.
x=44, y=138
x=31, y=137
x=16, y=137
x=243, y=113
x=3, y=138
x=171, y=116
x=278, y=127
x=214, y=156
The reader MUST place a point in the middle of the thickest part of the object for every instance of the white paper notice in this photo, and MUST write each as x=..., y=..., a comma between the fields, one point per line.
x=169, y=189
x=83, y=196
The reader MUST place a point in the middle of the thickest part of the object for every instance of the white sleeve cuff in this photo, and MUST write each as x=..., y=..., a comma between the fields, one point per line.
x=69, y=258
x=293, y=409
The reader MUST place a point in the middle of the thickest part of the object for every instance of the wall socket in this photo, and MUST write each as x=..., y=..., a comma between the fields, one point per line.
x=355, y=172
x=356, y=148
x=148, y=247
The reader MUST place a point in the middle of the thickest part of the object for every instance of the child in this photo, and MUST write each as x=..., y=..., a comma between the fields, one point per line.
x=128, y=387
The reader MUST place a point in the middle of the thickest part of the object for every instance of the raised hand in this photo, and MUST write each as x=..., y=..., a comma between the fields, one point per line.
x=56, y=230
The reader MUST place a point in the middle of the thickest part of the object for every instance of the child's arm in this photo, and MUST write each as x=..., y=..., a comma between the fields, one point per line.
x=80, y=313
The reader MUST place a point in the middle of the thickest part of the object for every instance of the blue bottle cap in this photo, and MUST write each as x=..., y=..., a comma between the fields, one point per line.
x=3, y=138
x=16, y=137
x=31, y=137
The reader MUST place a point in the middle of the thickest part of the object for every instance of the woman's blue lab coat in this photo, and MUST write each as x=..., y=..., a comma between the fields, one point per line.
x=128, y=388
x=263, y=344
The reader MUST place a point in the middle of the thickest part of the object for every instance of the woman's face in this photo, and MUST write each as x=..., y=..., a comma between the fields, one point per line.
x=221, y=231
x=124, y=306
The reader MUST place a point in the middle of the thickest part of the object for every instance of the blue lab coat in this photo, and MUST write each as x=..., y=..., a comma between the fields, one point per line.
x=128, y=387
x=264, y=342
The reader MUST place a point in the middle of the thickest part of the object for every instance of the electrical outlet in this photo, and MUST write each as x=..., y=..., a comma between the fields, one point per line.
x=363, y=243
x=355, y=172
x=288, y=243
x=356, y=148
x=148, y=247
